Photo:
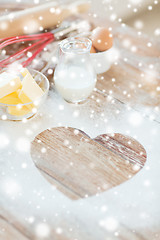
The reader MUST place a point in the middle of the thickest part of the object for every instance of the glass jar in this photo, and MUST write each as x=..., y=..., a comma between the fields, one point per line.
x=74, y=75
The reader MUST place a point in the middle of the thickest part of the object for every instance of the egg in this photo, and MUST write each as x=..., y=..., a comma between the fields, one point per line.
x=93, y=50
x=102, y=39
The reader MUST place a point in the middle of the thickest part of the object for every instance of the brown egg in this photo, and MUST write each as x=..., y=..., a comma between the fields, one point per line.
x=93, y=50
x=102, y=39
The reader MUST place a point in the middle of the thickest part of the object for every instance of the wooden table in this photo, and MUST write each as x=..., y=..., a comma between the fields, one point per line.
x=126, y=100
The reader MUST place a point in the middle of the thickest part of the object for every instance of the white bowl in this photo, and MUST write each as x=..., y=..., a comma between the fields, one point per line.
x=102, y=61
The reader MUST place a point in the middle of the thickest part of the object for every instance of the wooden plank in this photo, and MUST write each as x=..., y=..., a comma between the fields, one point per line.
x=134, y=77
x=80, y=166
x=124, y=86
x=125, y=147
x=128, y=77
x=10, y=228
x=13, y=228
x=8, y=231
x=126, y=81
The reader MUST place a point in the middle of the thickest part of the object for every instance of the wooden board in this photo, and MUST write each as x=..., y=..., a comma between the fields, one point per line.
x=80, y=166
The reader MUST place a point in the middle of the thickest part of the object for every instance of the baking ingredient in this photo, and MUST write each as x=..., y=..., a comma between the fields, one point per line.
x=24, y=72
x=93, y=50
x=30, y=91
x=11, y=98
x=101, y=39
x=74, y=83
x=18, y=110
x=19, y=96
x=9, y=83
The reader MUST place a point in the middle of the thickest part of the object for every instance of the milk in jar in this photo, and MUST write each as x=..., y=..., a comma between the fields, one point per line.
x=74, y=75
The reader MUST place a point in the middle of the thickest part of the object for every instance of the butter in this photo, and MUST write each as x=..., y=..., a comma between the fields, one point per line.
x=30, y=91
x=24, y=72
x=25, y=99
x=9, y=83
x=16, y=93
x=18, y=110
x=11, y=98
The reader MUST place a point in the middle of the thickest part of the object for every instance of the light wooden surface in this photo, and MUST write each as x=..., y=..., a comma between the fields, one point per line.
x=24, y=19
x=109, y=98
x=80, y=166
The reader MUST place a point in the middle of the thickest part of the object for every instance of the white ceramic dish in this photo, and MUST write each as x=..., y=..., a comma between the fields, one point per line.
x=102, y=61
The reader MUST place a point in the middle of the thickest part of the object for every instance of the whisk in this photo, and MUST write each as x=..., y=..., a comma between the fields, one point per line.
x=37, y=42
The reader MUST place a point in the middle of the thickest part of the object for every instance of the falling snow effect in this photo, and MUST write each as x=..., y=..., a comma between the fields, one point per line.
x=134, y=204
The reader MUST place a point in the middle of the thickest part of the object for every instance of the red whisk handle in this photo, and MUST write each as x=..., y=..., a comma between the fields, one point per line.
x=40, y=41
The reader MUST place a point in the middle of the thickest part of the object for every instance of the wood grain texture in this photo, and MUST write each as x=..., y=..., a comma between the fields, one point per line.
x=136, y=72
x=7, y=230
x=14, y=228
x=125, y=91
x=80, y=166
x=29, y=16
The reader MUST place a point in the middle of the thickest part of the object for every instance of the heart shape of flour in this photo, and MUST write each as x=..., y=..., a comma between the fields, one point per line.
x=80, y=166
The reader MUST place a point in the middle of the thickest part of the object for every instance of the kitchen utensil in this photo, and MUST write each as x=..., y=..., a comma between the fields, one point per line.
x=41, y=40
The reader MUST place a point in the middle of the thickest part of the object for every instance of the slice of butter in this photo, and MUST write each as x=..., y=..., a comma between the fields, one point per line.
x=11, y=98
x=24, y=72
x=18, y=110
x=30, y=91
x=25, y=99
x=9, y=83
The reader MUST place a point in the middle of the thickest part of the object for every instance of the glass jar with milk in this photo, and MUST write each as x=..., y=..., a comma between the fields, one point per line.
x=74, y=75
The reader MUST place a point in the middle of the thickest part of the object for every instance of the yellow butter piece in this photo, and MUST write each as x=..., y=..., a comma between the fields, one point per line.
x=24, y=72
x=16, y=111
x=30, y=91
x=9, y=83
x=25, y=99
x=11, y=98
